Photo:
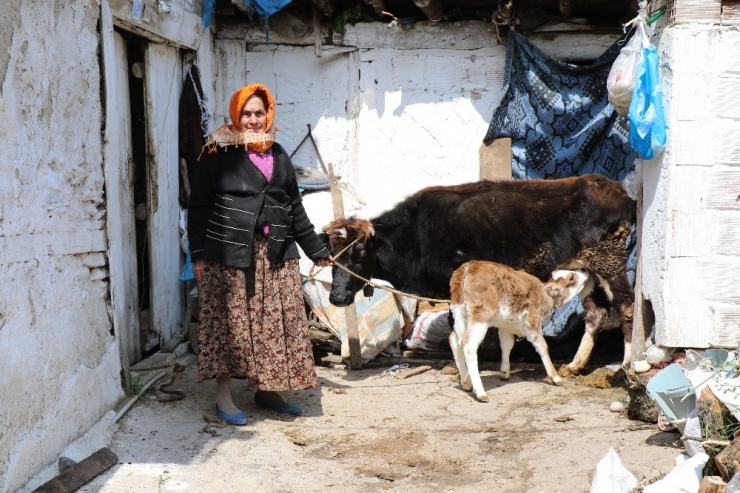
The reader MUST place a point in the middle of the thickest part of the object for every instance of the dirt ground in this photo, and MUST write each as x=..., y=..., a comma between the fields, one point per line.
x=365, y=431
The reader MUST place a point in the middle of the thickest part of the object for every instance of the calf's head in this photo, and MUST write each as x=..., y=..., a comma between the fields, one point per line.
x=359, y=258
x=564, y=285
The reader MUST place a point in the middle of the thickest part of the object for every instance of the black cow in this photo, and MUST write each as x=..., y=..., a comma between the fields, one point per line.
x=534, y=225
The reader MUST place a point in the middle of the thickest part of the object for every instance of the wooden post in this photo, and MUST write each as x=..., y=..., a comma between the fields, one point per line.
x=350, y=312
x=643, y=317
x=495, y=160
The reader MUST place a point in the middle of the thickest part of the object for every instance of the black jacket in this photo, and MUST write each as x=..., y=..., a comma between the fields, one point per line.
x=230, y=199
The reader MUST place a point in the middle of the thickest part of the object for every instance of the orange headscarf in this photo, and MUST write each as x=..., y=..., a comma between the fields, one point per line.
x=234, y=134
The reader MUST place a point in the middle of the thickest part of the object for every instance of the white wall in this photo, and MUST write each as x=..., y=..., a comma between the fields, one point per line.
x=692, y=192
x=58, y=360
x=393, y=111
x=390, y=120
x=423, y=116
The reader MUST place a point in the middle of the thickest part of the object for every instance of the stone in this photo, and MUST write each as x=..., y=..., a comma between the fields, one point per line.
x=616, y=407
x=641, y=366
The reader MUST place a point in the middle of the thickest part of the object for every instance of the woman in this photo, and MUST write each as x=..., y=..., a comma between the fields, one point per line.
x=244, y=218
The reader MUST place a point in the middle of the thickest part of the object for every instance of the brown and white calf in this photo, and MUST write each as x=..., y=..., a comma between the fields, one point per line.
x=488, y=294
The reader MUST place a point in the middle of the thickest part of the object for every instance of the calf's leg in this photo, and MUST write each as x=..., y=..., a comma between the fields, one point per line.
x=471, y=341
x=506, y=341
x=534, y=336
x=456, y=336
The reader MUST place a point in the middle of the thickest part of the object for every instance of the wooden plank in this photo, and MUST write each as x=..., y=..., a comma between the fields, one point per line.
x=464, y=36
x=495, y=159
x=81, y=473
x=639, y=329
x=413, y=371
x=162, y=87
x=180, y=27
x=350, y=312
x=119, y=181
x=696, y=11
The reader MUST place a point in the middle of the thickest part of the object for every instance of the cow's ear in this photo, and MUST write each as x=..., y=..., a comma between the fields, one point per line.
x=571, y=280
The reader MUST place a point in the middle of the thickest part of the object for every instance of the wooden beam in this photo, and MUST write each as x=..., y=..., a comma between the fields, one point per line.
x=463, y=35
x=178, y=27
x=80, y=474
x=643, y=317
x=350, y=312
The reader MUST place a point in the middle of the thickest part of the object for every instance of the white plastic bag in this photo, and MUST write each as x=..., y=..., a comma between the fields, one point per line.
x=621, y=80
x=686, y=476
x=611, y=476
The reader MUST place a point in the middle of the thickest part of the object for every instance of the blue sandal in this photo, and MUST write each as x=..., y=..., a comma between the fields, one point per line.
x=277, y=405
x=239, y=418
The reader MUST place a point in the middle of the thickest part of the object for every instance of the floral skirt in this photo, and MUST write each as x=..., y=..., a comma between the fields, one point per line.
x=253, y=325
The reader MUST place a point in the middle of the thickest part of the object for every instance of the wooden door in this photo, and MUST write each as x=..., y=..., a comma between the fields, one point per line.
x=119, y=196
x=162, y=87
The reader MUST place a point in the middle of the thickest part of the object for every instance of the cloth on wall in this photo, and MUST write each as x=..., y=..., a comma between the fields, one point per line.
x=561, y=124
x=558, y=116
x=194, y=118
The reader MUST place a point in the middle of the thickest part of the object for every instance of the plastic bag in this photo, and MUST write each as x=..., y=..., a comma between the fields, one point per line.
x=187, y=273
x=611, y=476
x=647, y=121
x=621, y=81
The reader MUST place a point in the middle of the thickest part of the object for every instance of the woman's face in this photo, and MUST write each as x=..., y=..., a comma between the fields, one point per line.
x=254, y=116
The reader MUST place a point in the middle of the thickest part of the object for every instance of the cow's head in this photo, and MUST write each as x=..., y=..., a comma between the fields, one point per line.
x=359, y=257
x=609, y=197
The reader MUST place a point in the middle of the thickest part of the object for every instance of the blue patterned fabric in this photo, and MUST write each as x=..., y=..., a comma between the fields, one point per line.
x=558, y=116
x=561, y=124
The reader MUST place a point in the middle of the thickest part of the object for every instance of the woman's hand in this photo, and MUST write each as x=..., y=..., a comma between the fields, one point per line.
x=325, y=262
x=198, y=269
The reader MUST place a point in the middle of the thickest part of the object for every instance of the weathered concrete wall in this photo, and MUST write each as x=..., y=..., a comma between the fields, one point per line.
x=393, y=111
x=692, y=191
x=58, y=360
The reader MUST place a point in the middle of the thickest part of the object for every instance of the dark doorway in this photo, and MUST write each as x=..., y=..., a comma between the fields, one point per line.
x=135, y=47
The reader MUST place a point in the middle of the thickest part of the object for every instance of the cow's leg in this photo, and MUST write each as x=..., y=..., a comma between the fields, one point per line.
x=506, y=341
x=626, y=313
x=471, y=341
x=624, y=299
x=456, y=336
x=594, y=317
x=534, y=336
